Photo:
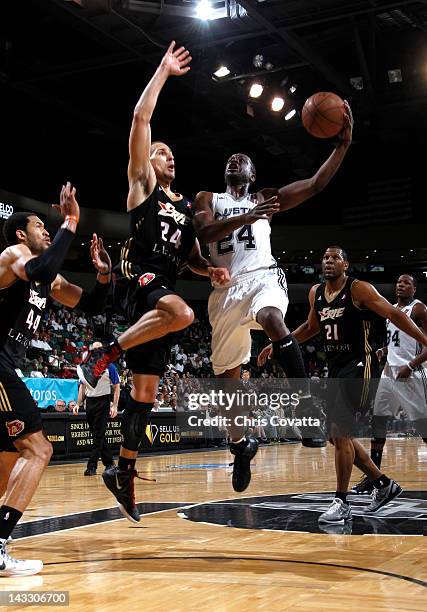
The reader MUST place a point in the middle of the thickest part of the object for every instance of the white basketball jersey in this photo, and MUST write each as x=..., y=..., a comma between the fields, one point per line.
x=401, y=347
x=248, y=248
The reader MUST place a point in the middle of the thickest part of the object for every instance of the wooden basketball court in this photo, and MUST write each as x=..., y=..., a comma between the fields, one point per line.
x=180, y=558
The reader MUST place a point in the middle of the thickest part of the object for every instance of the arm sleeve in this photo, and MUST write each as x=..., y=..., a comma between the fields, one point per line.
x=45, y=267
x=114, y=376
x=93, y=301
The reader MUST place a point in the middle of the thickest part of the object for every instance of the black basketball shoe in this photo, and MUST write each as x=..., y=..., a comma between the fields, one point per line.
x=363, y=487
x=121, y=485
x=96, y=362
x=243, y=452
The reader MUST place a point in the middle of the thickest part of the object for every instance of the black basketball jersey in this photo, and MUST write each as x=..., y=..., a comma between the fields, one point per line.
x=162, y=237
x=22, y=306
x=349, y=333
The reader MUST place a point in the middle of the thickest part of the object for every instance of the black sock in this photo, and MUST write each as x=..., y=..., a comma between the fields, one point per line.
x=376, y=456
x=126, y=465
x=288, y=354
x=341, y=495
x=8, y=519
x=381, y=482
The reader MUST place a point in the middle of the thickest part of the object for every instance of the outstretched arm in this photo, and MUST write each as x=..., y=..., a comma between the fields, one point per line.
x=311, y=327
x=365, y=295
x=209, y=229
x=18, y=261
x=295, y=193
x=140, y=171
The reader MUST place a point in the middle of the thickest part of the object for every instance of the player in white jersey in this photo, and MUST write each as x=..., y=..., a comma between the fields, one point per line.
x=403, y=381
x=236, y=225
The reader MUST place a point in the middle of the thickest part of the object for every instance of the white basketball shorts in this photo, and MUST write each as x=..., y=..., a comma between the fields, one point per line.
x=409, y=394
x=233, y=311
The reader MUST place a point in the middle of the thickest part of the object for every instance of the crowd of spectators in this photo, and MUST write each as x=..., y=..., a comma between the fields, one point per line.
x=65, y=336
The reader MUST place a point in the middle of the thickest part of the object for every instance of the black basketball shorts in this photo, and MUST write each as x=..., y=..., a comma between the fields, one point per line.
x=19, y=414
x=133, y=299
x=351, y=390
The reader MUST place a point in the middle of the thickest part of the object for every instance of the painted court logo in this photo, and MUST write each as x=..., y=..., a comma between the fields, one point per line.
x=404, y=515
x=14, y=428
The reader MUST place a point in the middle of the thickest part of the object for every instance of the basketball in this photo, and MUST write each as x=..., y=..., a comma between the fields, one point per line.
x=323, y=115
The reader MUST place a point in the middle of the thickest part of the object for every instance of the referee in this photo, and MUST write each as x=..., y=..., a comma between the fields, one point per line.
x=98, y=409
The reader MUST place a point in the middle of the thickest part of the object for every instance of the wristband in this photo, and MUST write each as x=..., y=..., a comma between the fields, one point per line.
x=410, y=367
x=104, y=273
x=71, y=218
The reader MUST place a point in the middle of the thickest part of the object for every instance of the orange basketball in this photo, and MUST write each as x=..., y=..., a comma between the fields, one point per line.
x=323, y=115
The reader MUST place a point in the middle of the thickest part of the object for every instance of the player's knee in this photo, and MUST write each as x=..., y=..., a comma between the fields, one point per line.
x=147, y=394
x=35, y=446
x=341, y=442
x=183, y=317
x=43, y=450
x=46, y=452
x=271, y=319
x=134, y=422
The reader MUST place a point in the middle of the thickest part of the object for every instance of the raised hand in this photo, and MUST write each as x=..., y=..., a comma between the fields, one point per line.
x=176, y=62
x=100, y=258
x=68, y=205
x=265, y=210
x=346, y=133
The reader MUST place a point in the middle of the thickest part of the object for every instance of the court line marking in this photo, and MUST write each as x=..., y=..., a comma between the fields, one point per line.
x=416, y=581
x=222, y=558
x=119, y=518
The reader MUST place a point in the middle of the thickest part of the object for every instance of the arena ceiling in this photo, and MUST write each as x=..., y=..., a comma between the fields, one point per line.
x=71, y=72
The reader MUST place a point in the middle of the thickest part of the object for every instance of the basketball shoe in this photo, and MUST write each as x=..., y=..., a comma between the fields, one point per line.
x=121, y=485
x=17, y=567
x=363, y=487
x=338, y=512
x=382, y=496
x=243, y=452
x=96, y=362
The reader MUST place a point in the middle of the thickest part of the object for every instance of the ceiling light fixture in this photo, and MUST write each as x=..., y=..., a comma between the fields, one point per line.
x=395, y=76
x=258, y=60
x=222, y=71
x=291, y=114
x=256, y=90
x=277, y=104
x=204, y=10
x=357, y=82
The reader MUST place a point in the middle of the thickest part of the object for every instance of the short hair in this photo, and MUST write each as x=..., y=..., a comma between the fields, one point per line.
x=412, y=277
x=155, y=145
x=253, y=169
x=17, y=221
x=338, y=248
